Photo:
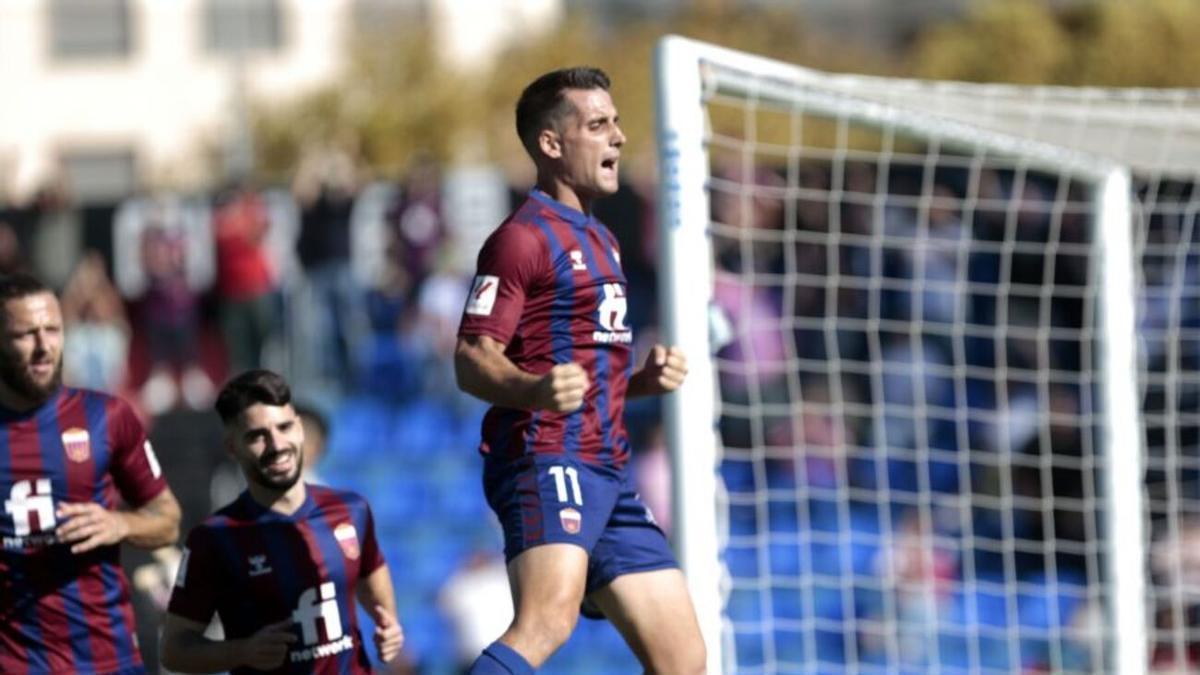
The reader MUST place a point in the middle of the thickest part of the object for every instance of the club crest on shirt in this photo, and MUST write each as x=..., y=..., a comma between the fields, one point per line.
x=577, y=263
x=347, y=538
x=77, y=444
x=571, y=520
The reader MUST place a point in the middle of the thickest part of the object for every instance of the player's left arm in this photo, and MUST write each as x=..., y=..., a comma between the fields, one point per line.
x=378, y=596
x=89, y=525
x=663, y=372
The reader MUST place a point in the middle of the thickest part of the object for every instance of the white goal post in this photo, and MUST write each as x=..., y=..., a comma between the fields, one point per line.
x=927, y=137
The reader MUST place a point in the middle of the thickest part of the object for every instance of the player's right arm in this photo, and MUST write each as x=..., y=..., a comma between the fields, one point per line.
x=185, y=649
x=483, y=371
x=513, y=264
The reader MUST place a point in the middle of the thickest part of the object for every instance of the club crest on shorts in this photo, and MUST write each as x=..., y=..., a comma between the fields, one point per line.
x=571, y=520
x=77, y=444
x=347, y=538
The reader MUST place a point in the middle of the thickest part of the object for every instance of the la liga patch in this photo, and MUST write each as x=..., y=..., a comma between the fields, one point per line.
x=483, y=295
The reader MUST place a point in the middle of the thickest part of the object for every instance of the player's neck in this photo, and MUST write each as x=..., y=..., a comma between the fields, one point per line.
x=564, y=194
x=17, y=402
x=286, y=502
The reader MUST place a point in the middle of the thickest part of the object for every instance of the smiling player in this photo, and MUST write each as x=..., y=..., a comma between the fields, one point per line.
x=283, y=564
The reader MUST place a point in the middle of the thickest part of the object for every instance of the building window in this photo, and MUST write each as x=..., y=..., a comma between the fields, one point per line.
x=100, y=175
x=90, y=28
x=235, y=26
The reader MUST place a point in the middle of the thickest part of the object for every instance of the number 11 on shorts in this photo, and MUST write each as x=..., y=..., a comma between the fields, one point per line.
x=560, y=482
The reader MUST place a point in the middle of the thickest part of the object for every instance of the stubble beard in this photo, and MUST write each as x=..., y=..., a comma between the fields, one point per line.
x=263, y=479
x=18, y=379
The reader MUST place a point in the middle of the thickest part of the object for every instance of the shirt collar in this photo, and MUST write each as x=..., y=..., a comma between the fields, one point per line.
x=573, y=216
x=255, y=511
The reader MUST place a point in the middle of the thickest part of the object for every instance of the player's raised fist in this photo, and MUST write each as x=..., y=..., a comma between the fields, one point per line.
x=562, y=389
x=668, y=365
x=266, y=649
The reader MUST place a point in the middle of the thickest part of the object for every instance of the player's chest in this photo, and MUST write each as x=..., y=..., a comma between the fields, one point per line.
x=29, y=448
x=42, y=466
x=581, y=259
x=584, y=275
x=281, y=567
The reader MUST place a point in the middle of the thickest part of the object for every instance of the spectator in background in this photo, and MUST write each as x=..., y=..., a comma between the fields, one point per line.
x=1175, y=563
x=96, y=351
x=476, y=600
x=56, y=240
x=246, y=283
x=163, y=263
x=419, y=230
x=433, y=334
x=754, y=342
x=325, y=187
x=170, y=313
x=12, y=257
x=652, y=471
x=316, y=439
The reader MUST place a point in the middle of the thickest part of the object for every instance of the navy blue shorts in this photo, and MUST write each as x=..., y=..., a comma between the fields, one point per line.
x=559, y=499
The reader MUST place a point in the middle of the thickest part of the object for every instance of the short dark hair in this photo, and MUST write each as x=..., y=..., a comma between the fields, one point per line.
x=20, y=285
x=251, y=387
x=542, y=105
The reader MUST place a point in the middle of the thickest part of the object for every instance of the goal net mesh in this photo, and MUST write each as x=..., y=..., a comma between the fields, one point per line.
x=907, y=337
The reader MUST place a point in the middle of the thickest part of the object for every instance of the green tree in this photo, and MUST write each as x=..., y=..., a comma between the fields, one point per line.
x=1018, y=41
x=397, y=98
x=1151, y=43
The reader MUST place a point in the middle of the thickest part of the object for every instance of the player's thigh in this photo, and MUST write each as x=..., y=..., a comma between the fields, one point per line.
x=654, y=613
x=548, y=577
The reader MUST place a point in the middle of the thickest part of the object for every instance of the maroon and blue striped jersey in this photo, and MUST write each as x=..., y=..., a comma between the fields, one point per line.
x=253, y=566
x=61, y=612
x=549, y=286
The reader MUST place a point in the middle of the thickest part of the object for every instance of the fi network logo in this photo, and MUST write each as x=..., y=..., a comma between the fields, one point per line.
x=26, y=499
x=318, y=603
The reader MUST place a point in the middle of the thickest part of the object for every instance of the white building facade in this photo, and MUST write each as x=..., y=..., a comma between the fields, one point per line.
x=119, y=95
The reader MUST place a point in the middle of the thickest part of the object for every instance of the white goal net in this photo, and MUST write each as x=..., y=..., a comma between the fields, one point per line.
x=948, y=337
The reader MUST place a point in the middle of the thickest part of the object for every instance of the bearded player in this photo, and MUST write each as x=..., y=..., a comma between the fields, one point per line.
x=77, y=478
x=283, y=565
x=543, y=339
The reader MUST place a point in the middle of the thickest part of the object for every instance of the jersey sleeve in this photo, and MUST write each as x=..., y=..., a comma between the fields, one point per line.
x=194, y=596
x=372, y=556
x=134, y=466
x=510, y=263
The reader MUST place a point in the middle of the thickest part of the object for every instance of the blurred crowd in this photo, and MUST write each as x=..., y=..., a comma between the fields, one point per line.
x=909, y=402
